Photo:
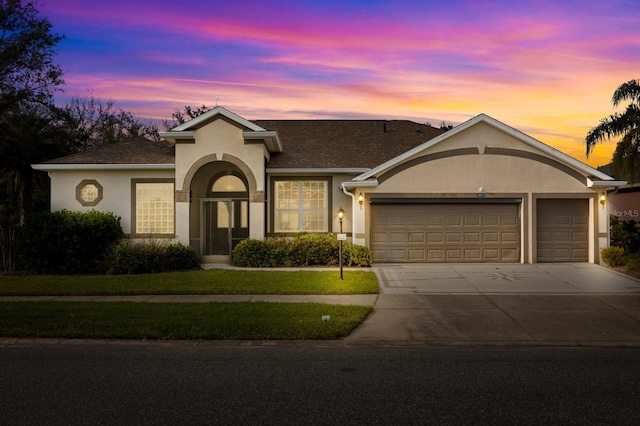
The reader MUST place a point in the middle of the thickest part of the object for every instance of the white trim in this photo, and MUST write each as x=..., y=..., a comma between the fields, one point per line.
x=172, y=136
x=211, y=114
x=270, y=138
x=298, y=171
x=50, y=167
x=605, y=183
x=483, y=118
x=360, y=184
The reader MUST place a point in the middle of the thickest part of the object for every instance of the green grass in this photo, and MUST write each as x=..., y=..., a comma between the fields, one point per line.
x=130, y=320
x=193, y=282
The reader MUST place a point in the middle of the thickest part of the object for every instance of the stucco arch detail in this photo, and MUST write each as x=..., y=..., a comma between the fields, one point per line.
x=254, y=193
x=488, y=151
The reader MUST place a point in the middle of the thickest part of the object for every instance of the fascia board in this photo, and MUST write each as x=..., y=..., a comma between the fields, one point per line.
x=51, y=167
x=605, y=183
x=218, y=111
x=172, y=136
x=300, y=171
x=270, y=138
x=362, y=184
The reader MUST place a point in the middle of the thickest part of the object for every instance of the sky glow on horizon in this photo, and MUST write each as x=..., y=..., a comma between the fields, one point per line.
x=546, y=68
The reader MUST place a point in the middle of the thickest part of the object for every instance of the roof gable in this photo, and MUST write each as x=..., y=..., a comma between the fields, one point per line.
x=483, y=118
x=214, y=113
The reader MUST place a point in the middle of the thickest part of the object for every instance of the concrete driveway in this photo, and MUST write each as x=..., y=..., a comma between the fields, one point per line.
x=576, y=304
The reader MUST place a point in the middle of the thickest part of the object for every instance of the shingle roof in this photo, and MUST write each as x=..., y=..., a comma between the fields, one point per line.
x=306, y=144
x=132, y=151
x=344, y=143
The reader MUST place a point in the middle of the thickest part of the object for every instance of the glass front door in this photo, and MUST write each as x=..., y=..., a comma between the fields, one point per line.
x=224, y=223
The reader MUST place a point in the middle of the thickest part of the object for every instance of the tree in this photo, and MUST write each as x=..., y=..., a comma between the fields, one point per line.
x=626, y=157
x=28, y=80
x=91, y=123
x=181, y=117
x=27, y=71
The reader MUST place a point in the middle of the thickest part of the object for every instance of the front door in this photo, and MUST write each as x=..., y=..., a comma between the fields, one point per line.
x=224, y=223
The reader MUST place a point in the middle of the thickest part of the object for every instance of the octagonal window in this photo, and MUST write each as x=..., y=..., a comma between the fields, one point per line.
x=89, y=192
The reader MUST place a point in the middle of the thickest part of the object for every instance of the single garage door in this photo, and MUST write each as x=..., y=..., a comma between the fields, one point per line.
x=445, y=232
x=563, y=230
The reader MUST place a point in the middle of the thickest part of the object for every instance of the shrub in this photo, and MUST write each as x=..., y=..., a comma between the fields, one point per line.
x=625, y=234
x=357, y=255
x=154, y=256
x=145, y=258
x=68, y=242
x=258, y=253
x=613, y=256
x=302, y=250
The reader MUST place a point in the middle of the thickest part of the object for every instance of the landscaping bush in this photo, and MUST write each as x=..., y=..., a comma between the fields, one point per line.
x=151, y=257
x=625, y=234
x=313, y=249
x=613, y=256
x=68, y=242
x=258, y=253
x=302, y=250
x=356, y=255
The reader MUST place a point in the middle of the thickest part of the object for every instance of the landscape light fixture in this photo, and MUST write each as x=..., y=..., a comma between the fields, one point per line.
x=340, y=217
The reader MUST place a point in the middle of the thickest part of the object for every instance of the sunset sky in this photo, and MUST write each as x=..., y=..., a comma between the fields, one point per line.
x=547, y=68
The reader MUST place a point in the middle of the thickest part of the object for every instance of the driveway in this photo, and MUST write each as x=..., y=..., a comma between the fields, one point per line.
x=576, y=304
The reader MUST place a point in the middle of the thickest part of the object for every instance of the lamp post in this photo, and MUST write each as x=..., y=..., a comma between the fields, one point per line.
x=340, y=217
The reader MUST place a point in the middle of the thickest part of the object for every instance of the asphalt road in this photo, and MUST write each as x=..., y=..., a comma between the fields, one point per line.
x=186, y=383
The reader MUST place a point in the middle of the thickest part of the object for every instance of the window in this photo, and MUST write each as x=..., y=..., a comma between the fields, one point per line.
x=301, y=205
x=89, y=192
x=153, y=208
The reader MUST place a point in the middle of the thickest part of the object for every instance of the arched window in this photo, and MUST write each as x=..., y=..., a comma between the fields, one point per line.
x=229, y=183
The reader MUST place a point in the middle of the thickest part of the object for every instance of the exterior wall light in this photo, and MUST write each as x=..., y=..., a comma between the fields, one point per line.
x=360, y=200
x=603, y=199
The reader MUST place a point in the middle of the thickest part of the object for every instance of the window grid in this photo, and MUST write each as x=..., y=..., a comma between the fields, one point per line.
x=154, y=208
x=301, y=206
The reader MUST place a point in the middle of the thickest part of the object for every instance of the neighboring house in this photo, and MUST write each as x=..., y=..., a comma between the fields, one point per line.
x=623, y=201
x=481, y=192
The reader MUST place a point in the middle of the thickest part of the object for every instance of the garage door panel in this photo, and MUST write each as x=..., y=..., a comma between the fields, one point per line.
x=453, y=237
x=416, y=237
x=563, y=230
x=509, y=237
x=446, y=232
x=472, y=237
x=490, y=237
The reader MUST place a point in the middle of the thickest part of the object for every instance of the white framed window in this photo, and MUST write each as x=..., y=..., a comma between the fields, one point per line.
x=301, y=205
x=153, y=205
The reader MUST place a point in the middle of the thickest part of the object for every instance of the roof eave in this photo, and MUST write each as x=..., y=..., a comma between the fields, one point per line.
x=68, y=166
x=605, y=183
x=270, y=139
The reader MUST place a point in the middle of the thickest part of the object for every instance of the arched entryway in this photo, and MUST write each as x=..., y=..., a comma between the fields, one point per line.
x=219, y=210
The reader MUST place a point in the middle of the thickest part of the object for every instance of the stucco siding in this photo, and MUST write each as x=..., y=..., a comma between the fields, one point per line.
x=494, y=173
x=116, y=186
x=214, y=141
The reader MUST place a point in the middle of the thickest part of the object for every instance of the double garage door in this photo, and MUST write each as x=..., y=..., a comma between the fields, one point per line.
x=476, y=231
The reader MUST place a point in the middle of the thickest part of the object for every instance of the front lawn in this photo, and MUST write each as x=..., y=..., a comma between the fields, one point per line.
x=215, y=281
x=130, y=320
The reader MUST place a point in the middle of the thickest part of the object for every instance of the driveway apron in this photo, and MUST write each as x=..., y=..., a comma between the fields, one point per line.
x=575, y=304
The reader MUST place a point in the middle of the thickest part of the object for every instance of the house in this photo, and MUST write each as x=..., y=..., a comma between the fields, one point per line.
x=481, y=192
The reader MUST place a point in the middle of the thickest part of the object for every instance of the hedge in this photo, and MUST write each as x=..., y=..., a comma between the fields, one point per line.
x=301, y=250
